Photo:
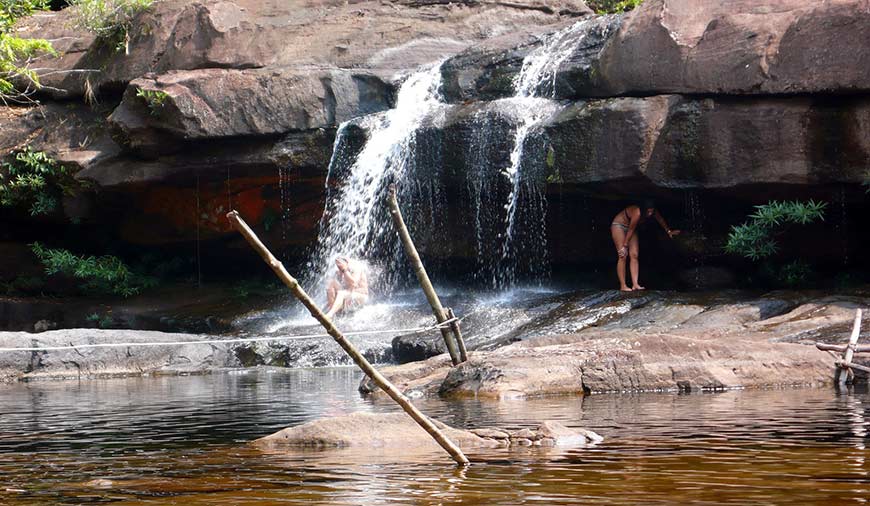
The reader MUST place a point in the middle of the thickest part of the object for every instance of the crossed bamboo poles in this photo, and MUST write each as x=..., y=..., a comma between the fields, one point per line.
x=448, y=323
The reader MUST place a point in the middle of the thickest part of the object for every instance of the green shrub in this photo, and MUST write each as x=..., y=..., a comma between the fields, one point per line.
x=34, y=178
x=613, y=6
x=794, y=274
x=155, y=99
x=105, y=321
x=109, y=20
x=756, y=239
x=16, y=53
x=102, y=275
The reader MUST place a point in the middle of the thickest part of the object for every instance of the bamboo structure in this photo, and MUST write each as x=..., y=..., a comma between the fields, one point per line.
x=420, y=271
x=844, y=372
x=457, y=333
x=455, y=452
x=845, y=366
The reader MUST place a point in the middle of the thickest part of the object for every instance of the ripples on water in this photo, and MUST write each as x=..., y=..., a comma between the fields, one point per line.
x=181, y=440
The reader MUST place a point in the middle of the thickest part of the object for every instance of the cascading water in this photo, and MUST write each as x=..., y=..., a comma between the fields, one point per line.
x=535, y=85
x=355, y=222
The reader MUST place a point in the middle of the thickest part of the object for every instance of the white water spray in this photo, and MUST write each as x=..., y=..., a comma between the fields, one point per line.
x=355, y=211
x=534, y=86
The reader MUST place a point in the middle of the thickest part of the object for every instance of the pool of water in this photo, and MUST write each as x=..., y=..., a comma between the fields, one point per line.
x=182, y=440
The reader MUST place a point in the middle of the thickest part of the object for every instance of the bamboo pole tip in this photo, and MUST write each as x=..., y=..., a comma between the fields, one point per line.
x=233, y=215
x=392, y=188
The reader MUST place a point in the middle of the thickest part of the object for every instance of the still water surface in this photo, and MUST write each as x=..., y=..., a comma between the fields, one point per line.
x=181, y=440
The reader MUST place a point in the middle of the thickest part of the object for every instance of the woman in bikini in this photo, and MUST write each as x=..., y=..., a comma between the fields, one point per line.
x=623, y=229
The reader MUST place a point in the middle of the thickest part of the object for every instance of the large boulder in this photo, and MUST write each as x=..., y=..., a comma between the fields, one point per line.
x=662, y=342
x=107, y=361
x=740, y=47
x=221, y=103
x=243, y=34
x=681, y=46
x=685, y=142
x=399, y=431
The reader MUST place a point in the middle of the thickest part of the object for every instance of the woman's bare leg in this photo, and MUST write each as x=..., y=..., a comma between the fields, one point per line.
x=338, y=304
x=618, y=235
x=634, y=262
x=331, y=291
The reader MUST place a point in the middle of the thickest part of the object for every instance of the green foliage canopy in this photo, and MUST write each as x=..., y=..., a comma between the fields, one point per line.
x=33, y=177
x=103, y=275
x=612, y=6
x=109, y=20
x=756, y=239
x=16, y=53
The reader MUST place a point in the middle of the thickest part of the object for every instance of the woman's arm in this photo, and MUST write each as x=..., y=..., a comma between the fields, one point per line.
x=350, y=278
x=664, y=225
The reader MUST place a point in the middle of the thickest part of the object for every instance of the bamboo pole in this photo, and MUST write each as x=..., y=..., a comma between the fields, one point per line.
x=844, y=372
x=455, y=452
x=420, y=271
x=841, y=348
x=457, y=333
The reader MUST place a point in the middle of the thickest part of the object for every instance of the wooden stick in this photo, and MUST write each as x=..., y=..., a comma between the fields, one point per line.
x=420, y=271
x=239, y=224
x=852, y=365
x=457, y=333
x=844, y=372
x=841, y=348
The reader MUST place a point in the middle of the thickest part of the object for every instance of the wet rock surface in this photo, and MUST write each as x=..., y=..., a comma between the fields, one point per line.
x=84, y=363
x=379, y=431
x=647, y=342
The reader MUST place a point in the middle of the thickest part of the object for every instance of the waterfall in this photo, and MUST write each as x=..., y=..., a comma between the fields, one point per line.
x=510, y=234
x=532, y=105
x=356, y=223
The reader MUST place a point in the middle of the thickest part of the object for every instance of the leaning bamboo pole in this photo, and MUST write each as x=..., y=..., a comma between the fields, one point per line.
x=457, y=333
x=844, y=372
x=239, y=224
x=420, y=271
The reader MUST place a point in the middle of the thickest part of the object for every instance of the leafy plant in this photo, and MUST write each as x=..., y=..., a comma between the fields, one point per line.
x=155, y=99
x=104, y=274
x=34, y=177
x=613, y=6
x=756, y=239
x=794, y=274
x=109, y=20
x=16, y=53
x=105, y=321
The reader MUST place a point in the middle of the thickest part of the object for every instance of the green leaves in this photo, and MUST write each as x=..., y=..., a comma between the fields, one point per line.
x=12, y=10
x=613, y=6
x=109, y=20
x=154, y=98
x=16, y=53
x=34, y=177
x=756, y=238
x=103, y=274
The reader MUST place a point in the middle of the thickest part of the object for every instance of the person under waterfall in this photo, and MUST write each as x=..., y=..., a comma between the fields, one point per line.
x=348, y=289
x=623, y=229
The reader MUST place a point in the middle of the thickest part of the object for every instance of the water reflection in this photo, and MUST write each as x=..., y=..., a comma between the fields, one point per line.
x=181, y=441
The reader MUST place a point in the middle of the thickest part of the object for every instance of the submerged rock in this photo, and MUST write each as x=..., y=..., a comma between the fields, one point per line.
x=398, y=431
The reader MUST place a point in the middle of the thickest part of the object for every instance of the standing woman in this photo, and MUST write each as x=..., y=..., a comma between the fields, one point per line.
x=624, y=233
